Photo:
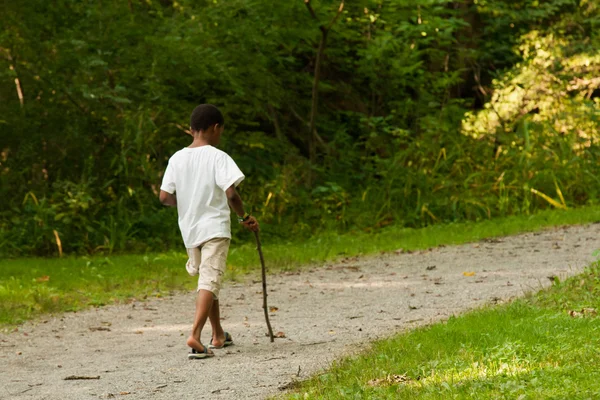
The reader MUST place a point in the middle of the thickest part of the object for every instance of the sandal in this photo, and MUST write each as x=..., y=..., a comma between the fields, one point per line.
x=199, y=355
x=228, y=342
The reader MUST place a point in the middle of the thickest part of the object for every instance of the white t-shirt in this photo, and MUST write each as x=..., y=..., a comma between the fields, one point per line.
x=200, y=176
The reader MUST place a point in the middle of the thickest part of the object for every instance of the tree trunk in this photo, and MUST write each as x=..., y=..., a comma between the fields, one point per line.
x=312, y=133
x=312, y=140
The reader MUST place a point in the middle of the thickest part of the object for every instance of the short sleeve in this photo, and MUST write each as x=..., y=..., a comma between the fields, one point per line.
x=168, y=182
x=228, y=173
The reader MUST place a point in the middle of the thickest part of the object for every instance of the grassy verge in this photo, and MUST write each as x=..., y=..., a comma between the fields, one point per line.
x=32, y=287
x=531, y=348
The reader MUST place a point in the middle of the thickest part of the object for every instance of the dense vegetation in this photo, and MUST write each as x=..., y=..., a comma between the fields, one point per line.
x=409, y=113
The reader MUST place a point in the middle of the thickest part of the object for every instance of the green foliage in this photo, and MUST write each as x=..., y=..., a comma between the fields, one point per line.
x=417, y=113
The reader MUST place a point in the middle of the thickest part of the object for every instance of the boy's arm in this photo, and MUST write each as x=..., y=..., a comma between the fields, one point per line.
x=235, y=202
x=167, y=198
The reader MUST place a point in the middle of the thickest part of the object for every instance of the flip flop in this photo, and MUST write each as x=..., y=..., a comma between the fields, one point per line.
x=199, y=355
x=228, y=342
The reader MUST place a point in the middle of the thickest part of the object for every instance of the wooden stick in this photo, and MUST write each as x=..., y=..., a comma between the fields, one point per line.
x=264, y=285
x=77, y=377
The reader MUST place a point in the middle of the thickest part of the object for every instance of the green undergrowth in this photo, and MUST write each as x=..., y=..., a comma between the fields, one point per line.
x=30, y=287
x=544, y=346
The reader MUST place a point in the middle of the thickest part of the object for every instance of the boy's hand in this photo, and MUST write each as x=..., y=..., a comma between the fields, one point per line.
x=167, y=199
x=252, y=224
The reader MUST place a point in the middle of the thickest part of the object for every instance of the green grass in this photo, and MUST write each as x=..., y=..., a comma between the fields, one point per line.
x=528, y=349
x=75, y=283
x=31, y=287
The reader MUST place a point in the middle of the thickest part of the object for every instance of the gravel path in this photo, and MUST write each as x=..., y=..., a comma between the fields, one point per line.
x=137, y=351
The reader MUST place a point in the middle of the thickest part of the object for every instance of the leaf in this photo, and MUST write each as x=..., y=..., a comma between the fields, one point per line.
x=402, y=251
x=575, y=314
x=589, y=311
x=469, y=273
x=549, y=199
x=273, y=309
x=391, y=379
x=116, y=99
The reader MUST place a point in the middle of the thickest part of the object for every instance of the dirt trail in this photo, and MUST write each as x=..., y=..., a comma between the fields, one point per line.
x=138, y=350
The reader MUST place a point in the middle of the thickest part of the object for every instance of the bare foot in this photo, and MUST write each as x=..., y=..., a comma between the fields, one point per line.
x=196, y=345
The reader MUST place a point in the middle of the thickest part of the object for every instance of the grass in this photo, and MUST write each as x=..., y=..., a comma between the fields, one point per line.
x=31, y=287
x=528, y=349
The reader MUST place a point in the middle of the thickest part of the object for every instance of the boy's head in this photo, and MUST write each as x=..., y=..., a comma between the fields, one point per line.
x=208, y=120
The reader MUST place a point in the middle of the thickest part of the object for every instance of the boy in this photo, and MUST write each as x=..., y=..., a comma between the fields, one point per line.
x=200, y=181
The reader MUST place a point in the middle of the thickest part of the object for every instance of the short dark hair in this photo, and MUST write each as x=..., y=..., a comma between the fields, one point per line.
x=204, y=116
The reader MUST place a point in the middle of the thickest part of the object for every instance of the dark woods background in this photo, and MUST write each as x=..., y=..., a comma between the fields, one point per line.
x=426, y=111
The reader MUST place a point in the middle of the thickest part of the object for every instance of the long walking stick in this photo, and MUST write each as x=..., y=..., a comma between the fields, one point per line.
x=264, y=285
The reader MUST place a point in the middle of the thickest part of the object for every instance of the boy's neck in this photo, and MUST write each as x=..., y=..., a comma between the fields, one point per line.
x=199, y=143
x=200, y=140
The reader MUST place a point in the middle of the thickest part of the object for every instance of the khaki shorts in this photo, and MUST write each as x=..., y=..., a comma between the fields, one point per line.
x=209, y=261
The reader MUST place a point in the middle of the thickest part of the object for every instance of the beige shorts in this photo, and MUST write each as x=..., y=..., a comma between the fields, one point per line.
x=209, y=262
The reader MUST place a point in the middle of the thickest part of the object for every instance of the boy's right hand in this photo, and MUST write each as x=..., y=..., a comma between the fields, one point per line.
x=252, y=224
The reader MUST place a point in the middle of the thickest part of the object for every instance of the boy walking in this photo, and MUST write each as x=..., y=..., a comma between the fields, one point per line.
x=200, y=181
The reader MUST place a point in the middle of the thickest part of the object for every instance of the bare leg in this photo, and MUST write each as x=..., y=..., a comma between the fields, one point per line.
x=218, y=335
x=204, y=303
